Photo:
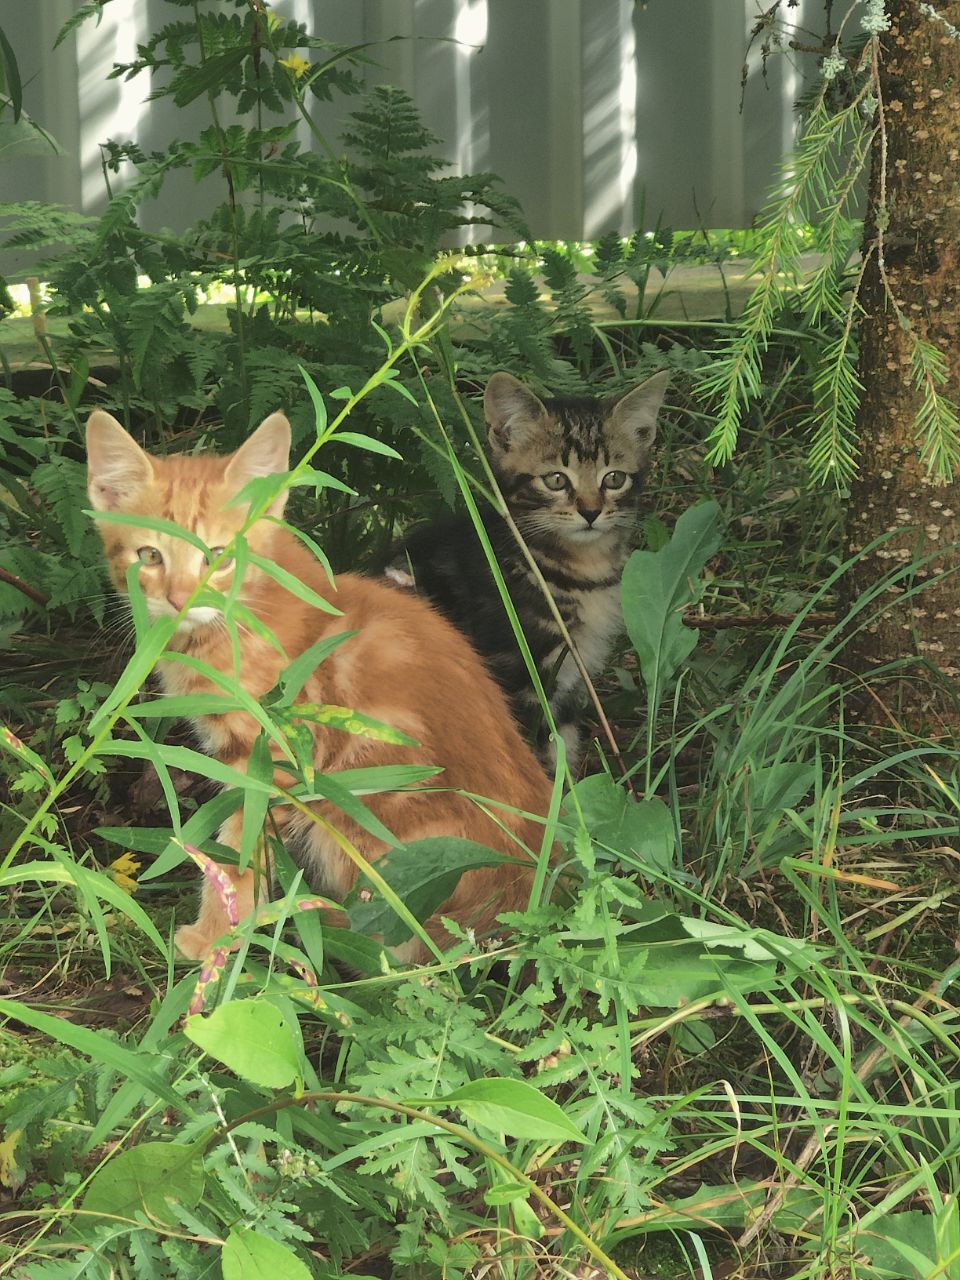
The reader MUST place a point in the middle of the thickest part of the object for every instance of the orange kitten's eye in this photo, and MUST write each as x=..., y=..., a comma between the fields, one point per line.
x=554, y=481
x=614, y=480
x=149, y=555
x=218, y=551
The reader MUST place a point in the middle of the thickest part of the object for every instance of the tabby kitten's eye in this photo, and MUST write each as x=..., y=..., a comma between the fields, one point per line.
x=217, y=551
x=614, y=480
x=555, y=481
x=149, y=555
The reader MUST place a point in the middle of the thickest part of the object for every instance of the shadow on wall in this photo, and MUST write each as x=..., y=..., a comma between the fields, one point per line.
x=580, y=106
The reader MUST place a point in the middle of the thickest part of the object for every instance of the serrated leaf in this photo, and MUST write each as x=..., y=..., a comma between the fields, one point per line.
x=513, y=1107
x=63, y=486
x=253, y=1039
x=145, y=1179
x=641, y=829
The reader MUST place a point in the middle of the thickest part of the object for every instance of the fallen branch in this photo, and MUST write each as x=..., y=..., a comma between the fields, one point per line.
x=18, y=584
x=757, y=620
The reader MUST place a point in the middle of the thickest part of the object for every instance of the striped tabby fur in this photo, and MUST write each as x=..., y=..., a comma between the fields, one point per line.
x=571, y=472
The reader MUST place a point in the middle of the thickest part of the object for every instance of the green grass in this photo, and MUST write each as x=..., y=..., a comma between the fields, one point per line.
x=764, y=1011
x=725, y=1044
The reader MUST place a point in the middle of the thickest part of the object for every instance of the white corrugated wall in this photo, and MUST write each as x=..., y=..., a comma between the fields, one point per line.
x=591, y=111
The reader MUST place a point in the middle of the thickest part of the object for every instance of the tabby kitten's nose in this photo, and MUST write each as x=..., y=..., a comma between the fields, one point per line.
x=590, y=515
x=178, y=598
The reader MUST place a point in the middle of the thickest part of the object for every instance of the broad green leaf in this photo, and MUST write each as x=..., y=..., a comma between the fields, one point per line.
x=775, y=787
x=144, y=1179
x=25, y=137
x=658, y=586
x=367, y=442
x=639, y=830
x=248, y=1255
x=902, y=1244
x=513, y=1107
x=755, y=944
x=253, y=1039
x=423, y=874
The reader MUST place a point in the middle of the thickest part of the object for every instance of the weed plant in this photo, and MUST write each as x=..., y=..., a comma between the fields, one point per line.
x=724, y=1041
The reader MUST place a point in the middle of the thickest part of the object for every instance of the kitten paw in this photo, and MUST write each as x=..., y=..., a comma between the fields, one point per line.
x=193, y=943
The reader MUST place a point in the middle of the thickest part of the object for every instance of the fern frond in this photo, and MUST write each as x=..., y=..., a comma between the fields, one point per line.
x=805, y=185
x=936, y=422
x=836, y=392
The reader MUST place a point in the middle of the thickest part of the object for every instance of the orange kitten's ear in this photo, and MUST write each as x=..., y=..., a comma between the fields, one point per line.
x=637, y=410
x=117, y=468
x=511, y=411
x=266, y=453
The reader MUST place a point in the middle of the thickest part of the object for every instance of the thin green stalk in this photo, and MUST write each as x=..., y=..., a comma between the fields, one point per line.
x=234, y=228
x=55, y=368
x=456, y=1131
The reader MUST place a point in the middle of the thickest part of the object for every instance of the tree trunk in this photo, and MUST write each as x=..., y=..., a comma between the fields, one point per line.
x=911, y=288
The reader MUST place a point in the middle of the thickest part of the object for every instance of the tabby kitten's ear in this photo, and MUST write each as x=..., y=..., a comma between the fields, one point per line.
x=117, y=468
x=637, y=411
x=512, y=412
x=266, y=453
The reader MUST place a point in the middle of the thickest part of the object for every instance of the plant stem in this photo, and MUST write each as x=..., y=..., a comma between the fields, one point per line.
x=488, y=1152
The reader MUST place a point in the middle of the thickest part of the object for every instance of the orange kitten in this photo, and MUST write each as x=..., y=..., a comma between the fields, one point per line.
x=406, y=666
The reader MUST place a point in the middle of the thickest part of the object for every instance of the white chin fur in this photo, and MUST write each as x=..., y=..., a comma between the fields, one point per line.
x=198, y=616
x=585, y=534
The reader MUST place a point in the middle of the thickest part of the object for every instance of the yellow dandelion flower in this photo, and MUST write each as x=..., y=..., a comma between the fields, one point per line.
x=123, y=871
x=297, y=66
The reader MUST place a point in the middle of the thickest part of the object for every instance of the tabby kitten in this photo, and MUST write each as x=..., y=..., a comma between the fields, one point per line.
x=571, y=472
x=405, y=666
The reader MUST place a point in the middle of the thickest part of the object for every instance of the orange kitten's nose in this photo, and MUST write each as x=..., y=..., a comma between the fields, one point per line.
x=178, y=597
